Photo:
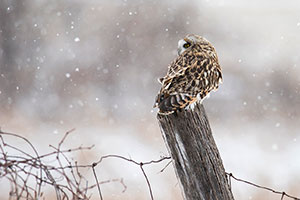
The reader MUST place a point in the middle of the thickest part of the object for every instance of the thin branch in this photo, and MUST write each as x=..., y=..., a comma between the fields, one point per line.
x=21, y=169
x=140, y=164
x=147, y=180
x=97, y=182
x=163, y=169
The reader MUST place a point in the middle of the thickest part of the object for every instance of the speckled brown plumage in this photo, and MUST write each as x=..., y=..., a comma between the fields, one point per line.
x=191, y=76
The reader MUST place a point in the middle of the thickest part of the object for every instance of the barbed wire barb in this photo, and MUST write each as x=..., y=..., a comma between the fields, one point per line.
x=283, y=194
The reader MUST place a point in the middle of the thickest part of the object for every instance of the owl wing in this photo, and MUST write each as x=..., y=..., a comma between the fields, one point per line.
x=181, y=85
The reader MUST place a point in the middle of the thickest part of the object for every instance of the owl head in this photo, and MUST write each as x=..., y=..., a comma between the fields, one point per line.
x=189, y=41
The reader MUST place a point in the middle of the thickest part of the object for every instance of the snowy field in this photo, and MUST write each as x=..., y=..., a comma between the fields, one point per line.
x=93, y=66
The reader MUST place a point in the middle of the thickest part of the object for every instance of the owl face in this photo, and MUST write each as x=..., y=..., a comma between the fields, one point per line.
x=189, y=41
x=183, y=45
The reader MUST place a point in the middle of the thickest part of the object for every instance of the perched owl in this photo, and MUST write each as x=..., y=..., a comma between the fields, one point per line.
x=191, y=76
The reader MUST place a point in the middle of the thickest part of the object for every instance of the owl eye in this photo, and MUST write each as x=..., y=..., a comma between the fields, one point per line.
x=187, y=45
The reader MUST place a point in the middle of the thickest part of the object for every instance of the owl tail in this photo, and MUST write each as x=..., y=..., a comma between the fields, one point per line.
x=169, y=103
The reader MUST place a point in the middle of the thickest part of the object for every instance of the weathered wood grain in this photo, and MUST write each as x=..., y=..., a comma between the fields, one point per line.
x=196, y=159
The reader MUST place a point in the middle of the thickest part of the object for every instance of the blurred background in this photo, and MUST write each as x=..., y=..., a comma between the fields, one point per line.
x=93, y=65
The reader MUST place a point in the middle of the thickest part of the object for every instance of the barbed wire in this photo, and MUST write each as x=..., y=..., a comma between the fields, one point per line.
x=283, y=194
x=69, y=184
x=65, y=176
x=22, y=168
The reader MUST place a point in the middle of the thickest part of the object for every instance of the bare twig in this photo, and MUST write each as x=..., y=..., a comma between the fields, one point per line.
x=140, y=164
x=163, y=169
x=67, y=179
x=147, y=180
x=96, y=178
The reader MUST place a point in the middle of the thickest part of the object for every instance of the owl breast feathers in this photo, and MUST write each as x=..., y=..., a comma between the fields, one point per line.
x=190, y=77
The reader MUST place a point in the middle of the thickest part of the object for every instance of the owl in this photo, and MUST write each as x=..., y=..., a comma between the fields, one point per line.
x=190, y=77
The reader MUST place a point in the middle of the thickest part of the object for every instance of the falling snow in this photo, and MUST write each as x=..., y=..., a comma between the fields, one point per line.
x=94, y=64
x=68, y=75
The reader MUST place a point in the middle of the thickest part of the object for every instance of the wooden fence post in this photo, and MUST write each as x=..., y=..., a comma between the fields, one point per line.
x=196, y=159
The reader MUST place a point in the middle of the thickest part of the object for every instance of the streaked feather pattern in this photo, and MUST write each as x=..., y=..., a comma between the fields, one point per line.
x=195, y=72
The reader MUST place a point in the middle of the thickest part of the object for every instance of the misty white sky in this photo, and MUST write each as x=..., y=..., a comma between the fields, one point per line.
x=93, y=66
